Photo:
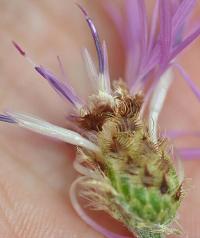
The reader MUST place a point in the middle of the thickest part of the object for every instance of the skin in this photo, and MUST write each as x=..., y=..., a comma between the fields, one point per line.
x=36, y=172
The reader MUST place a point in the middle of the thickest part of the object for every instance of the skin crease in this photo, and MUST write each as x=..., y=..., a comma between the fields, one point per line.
x=36, y=172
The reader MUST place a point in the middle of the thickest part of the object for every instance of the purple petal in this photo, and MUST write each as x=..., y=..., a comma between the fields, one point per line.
x=175, y=4
x=60, y=87
x=144, y=33
x=131, y=68
x=153, y=61
x=165, y=30
x=143, y=24
x=187, y=41
x=190, y=83
x=153, y=26
x=181, y=14
x=137, y=24
x=136, y=38
x=19, y=49
x=189, y=153
x=137, y=20
x=96, y=39
x=7, y=118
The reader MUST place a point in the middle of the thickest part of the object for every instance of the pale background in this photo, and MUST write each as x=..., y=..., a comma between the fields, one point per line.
x=36, y=172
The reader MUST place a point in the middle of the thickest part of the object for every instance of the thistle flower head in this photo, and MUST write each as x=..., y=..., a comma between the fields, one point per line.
x=152, y=48
x=127, y=168
x=138, y=184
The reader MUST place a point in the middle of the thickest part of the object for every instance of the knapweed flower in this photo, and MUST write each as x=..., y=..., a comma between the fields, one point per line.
x=126, y=166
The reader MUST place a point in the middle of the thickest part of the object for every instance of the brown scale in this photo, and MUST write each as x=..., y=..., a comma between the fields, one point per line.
x=178, y=193
x=115, y=145
x=129, y=124
x=93, y=121
x=132, y=170
x=95, y=164
x=164, y=185
x=138, y=102
x=164, y=165
x=89, y=164
x=162, y=142
x=131, y=167
x=120, y=145
x=96, y=159
x=126, y=124
x=148, y=146
x=148, y=178
x=129, y=106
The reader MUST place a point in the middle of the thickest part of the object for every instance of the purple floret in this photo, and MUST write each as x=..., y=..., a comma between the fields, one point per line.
x=7, y=118
x=151, y=48
x=96, y=38
x=59, y=86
